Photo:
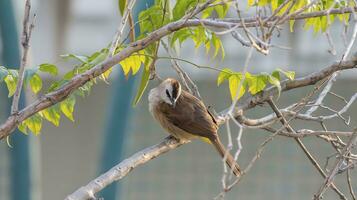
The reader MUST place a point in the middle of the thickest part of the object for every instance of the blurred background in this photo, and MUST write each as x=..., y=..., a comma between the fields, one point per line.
x=107, y=129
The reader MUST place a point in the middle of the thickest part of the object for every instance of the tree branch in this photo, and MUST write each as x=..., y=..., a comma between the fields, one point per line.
x=169, y=143
x=120, y=170
x=329, y=179
x=123, y=168
x=126, y=17
x=302, y=146
x=80, y=79
x=253, y=100
x=25, y=42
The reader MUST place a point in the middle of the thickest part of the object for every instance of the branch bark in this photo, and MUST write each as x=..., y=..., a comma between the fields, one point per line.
x=169, y=143
x=329, y=179
x=287, y=126
x=123, y=168
x=253, y=100
x=25, y=43
x=62, y=93
x=126, y=17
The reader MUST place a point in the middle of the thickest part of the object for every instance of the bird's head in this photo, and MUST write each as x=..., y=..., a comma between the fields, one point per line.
x=170, y=91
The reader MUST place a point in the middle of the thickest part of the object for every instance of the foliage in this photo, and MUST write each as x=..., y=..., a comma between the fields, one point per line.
x=316, y=23
x=255, y=83
x=153, y=18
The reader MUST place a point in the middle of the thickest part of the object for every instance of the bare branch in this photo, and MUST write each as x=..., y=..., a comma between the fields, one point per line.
x=322, y=94
x=155, y=151
x=80, y=79
x=126, y=17
x=343, y=110
x=353, y=38
x=302, y=146
x=346, y=151
x=25, y=43
x=251, y=101
x=349, y=182
x=123, y=168
x=170, y=143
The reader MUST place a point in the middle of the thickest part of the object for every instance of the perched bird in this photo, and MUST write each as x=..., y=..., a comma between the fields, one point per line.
x=185, y=117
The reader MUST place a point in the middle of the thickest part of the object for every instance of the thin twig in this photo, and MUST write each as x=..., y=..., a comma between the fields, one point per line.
x=25, y=43
x=126, y=17
x=349, y=182
x=335, y=169
x=184, y=77
x=323, y=94
x=353, y=38
x=302, y=146
x=240, y=85
x=123, y=168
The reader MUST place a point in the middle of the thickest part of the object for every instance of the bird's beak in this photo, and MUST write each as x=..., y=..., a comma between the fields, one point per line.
x=173, y=102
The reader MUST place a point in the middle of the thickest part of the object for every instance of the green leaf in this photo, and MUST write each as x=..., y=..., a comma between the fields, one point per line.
x=291, y=25
x=289, y=74
x=263, y=2
x=3, y=73
x=256, y=83
x=55, y=85
x=221, y=10
x=151, y=18
x=69, y=75
x=217, y=45
x=11, y=84
x=14, y=73
x=82, y=59
x=98, y=57
x=308, y=23
x=317, y=25
x=36, y=83
x=143, y=84
x=106, y=74
x=49, y=68
x=122, y=4
x=52, y=114
x=180, y=35
x=133, y=63
x=85, y=89
x=251, y=2
x=324, y=23
x=234, y=83
x=67, y=107
x=274, y=4
x=182, y=6
x=344, y=17
x=276, y=74
x=224, y=75
x=207, y=12
x=199, y=36
x=34, y=124
x=22, y=127
x=274, y=81
x=29, y=73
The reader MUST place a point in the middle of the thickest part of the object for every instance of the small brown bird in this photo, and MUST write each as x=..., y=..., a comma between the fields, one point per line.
x=185, y=117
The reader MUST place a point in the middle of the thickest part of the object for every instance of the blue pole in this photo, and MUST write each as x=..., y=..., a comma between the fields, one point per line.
x=119, y=117
x=19, y=154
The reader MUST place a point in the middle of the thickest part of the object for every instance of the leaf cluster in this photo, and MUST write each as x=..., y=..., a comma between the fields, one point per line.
x=153, y=18
x=254, y=83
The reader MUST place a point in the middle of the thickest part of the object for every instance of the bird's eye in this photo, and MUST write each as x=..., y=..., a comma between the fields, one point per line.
x=168, y=94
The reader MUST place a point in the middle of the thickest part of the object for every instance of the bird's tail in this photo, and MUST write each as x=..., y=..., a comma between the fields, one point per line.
x=226, y=155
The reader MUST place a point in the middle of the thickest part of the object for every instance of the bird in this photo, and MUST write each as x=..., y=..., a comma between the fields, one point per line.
x=185, y=117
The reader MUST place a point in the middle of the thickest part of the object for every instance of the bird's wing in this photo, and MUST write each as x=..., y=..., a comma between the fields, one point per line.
x=190, y=115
